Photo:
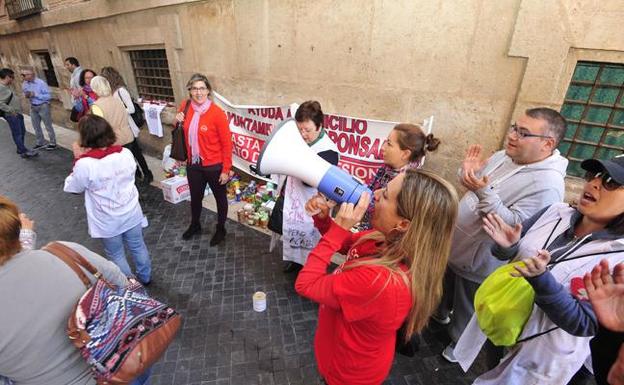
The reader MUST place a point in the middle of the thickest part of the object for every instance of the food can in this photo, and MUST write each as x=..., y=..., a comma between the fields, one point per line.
x=259, y=301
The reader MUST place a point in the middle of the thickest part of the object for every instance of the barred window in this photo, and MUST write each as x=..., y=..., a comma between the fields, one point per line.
x=45, y=63
x=151, y=71
x=594, y=109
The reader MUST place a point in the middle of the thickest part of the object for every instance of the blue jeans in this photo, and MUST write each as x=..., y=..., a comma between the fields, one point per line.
x=18, y=131
x=133, y=239
x=37, y=113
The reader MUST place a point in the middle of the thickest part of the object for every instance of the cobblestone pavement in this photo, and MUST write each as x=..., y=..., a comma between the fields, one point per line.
x=222, y=340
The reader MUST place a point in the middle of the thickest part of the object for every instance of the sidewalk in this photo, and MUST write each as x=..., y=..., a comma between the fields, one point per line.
x=66, y=136
x=222, y=341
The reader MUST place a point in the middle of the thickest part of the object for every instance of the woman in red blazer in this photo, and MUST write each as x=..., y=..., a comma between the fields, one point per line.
x=392, y=275
x=209, y=149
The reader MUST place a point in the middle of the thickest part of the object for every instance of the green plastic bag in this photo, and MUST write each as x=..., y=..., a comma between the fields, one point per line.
x=503, y=304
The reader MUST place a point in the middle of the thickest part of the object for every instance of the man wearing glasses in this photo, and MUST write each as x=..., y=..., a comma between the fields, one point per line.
x=11, y=110
x=38, y=93
x=514, y=183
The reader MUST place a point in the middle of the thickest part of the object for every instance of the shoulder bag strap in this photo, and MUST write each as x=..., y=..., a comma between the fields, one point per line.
x=554, y=263
x=186, y=108
x=73, y=260
x=120, y=98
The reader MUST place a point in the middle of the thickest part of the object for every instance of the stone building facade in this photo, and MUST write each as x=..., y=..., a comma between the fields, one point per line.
x=474, y=64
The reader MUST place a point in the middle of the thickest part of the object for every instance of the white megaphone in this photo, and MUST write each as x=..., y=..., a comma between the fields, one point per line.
x=286, y=153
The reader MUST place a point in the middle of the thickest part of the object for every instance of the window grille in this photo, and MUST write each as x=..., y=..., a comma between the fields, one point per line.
x=594, y=109
x=22, y=8
x=151, y=71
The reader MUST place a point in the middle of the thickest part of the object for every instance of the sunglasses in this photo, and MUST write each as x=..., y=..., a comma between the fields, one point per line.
x=608, y=183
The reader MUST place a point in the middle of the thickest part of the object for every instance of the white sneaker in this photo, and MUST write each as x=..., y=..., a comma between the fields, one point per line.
x=449, y=354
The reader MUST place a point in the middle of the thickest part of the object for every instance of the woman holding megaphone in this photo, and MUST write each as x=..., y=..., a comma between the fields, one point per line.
x=393, y=274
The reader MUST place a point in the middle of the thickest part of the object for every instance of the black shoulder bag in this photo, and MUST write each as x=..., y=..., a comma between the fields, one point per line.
x=138, y=115
x=178, y=141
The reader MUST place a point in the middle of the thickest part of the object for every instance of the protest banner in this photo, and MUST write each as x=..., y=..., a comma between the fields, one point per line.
x=359, y=141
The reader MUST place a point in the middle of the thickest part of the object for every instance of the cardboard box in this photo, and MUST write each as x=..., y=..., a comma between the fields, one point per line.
x=175, y=189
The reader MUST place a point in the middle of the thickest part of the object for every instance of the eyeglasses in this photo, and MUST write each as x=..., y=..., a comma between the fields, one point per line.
x=198, y=89
x=608, y=183
x=524, y=133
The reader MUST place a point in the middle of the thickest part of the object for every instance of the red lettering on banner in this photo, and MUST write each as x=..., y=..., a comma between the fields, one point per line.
x=247, y=147
x=267, y=112
x=353, y=144
x=364, y=173
x=344, y=124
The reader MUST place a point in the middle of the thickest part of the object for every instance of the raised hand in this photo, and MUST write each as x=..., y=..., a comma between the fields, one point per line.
x=533, y=266
x=474, y=158
x=27, y=223
x=606, y=294
x=350, y=214
x=503, y=234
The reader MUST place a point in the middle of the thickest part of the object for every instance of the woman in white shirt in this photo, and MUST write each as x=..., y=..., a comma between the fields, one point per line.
x=105, y=173
x=118, y=86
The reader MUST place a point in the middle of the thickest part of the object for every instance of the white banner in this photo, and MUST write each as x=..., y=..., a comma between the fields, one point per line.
x=358, y=140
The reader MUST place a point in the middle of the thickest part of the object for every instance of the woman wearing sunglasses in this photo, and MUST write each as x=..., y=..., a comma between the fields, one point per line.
x=558, y=246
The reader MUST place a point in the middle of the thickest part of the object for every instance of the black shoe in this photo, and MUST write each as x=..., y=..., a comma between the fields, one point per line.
x=289, y=267
x=218, y=236
x=40, y=146
x=29, y=154
x=50, y=147
x=192, y=230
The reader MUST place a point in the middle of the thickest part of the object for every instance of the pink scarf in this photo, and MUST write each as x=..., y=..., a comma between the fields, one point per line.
x=199, y=110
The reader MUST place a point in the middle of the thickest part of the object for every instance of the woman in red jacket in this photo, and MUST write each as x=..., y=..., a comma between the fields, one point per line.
x=393, y=274
x=209, y=149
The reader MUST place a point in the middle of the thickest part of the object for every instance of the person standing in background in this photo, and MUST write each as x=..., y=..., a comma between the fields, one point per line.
x=38, y=94
x=118, y=88
x=11, y=110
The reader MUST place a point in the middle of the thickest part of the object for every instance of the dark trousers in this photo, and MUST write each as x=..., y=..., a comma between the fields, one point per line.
x=18, y=131
x=198, y=176
x=136, y=151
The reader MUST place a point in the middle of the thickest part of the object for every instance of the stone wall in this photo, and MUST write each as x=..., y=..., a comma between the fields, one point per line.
x=474, y=64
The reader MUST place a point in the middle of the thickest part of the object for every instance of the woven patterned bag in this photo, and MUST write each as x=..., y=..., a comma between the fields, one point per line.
x=120, y=331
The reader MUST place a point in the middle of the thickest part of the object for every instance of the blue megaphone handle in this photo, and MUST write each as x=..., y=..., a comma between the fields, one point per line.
x=340, y=187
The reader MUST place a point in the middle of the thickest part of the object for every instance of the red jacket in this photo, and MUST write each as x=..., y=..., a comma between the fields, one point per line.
x=358, y=315
x=215, y=139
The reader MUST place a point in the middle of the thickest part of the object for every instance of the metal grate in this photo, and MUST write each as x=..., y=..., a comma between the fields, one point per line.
x=45, y=62
x=151, y=71
x=594, y=109
x=22, y=8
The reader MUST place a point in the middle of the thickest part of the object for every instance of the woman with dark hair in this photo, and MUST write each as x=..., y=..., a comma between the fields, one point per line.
x=37, y=293
x=392, y=275
x=105, y=173
x=119, y=91
x=84, y=96
x=209, y=149
x=404, y=148
x=558, y=246
x=298, y=233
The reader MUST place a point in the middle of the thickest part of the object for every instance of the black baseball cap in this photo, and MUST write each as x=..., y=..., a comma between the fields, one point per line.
x=615, y=167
